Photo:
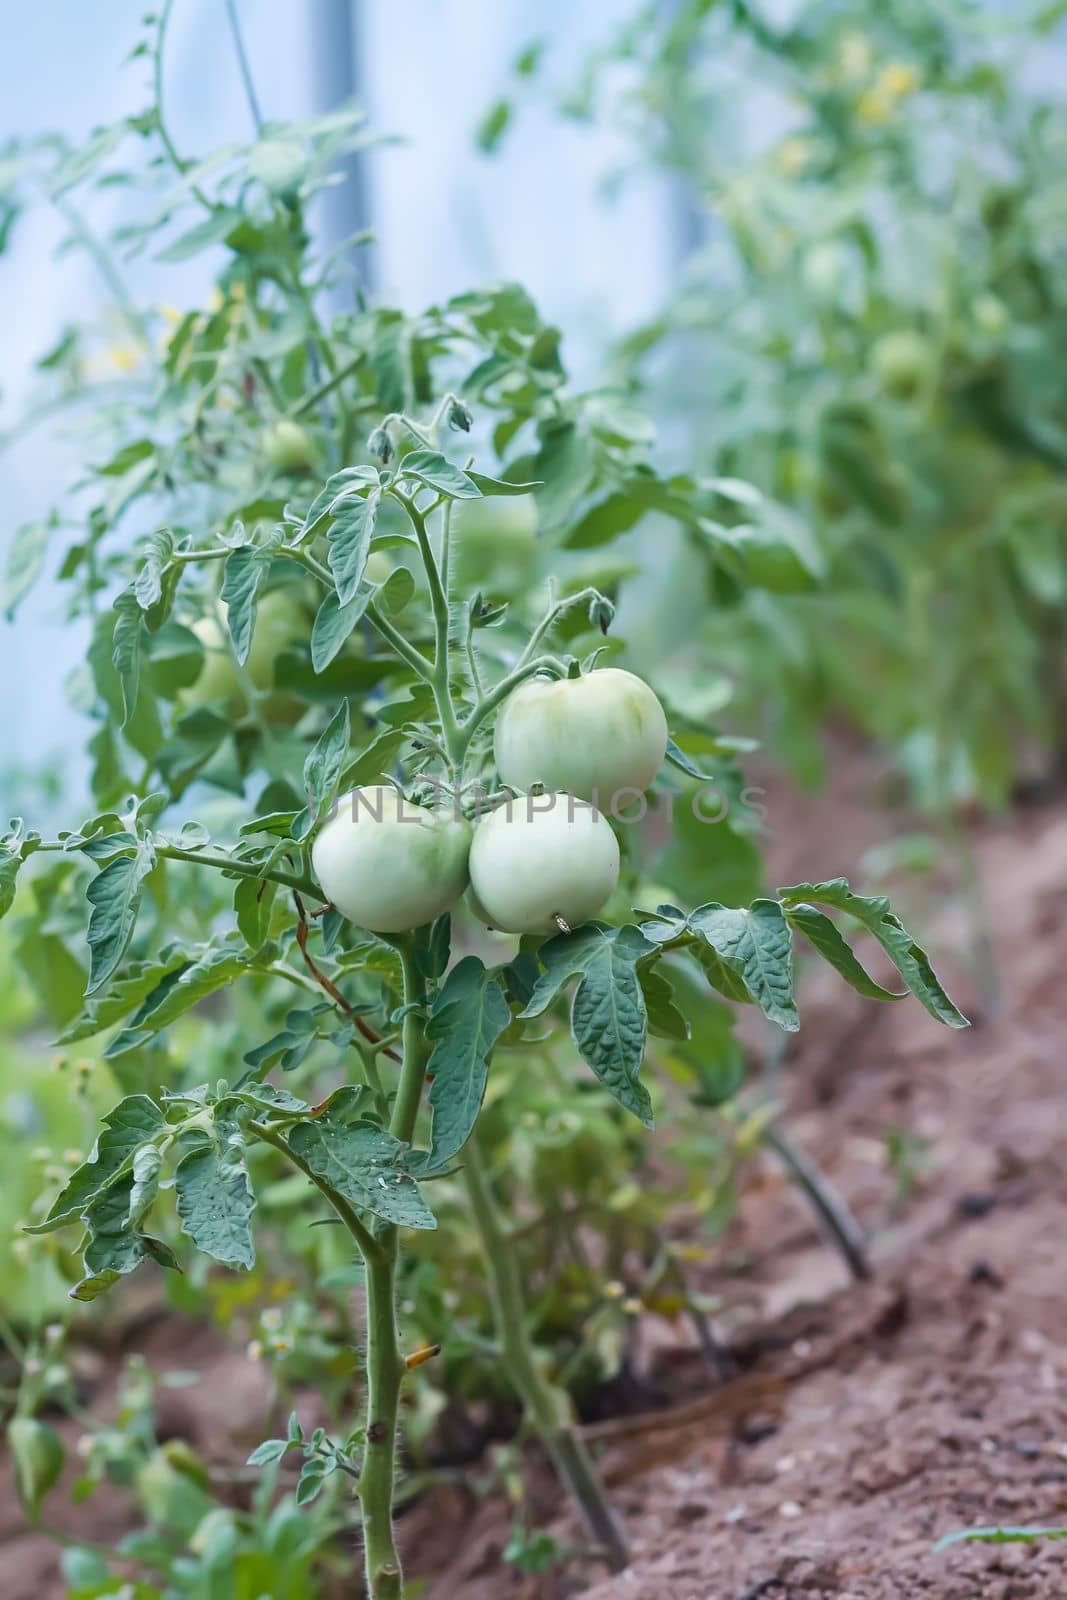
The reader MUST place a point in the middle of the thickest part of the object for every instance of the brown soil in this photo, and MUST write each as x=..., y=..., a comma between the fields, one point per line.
x=871, y=1420
x=863, y=1421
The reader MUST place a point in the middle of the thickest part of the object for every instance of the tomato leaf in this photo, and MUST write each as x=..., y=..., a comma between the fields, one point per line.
x=148, y=584
x=437, y=472
x=664, y=1018
x=144, y=1187
x=604, y=522
x=336, y=489
x=115, y=894
x=322, y=768
x=366, y=1165
x=609, y=1020
x=827, y=939
x=127, y=646
x=349, y=542
x=126, y=1127
x=253, y=900
x=177, y=992
x=105, y=1009
x=243, y=573
x=10, y=862
x=111, y=1247
x=873, y=913
x=25, y=558
x=215, y=1203
x=755, y=947
x=333, y=624
x=38, y=1457
x=499, y=486
x=468, y=1017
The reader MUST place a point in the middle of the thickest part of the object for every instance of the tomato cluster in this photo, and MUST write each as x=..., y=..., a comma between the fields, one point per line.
x=543, y=861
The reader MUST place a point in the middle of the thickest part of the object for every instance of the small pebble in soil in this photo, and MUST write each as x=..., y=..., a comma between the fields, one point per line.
x=790, y=1508
x=972, y=1207
x=692, y=1510
x=982, y=1274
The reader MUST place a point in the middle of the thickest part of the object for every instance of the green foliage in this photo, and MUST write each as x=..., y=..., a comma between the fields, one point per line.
x=608, y=1015
x=468, y=1017
x=870, y=327
x=999, y=1536
x=271, y=559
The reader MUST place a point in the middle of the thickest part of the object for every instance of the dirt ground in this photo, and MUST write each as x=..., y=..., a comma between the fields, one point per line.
x=872, y=1419
x=863, y=1421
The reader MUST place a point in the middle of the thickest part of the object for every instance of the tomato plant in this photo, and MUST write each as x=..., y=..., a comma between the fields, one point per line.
x=364, y=1014
x=866, y=326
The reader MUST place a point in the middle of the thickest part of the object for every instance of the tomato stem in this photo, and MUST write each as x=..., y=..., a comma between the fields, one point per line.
x=385, y=1364
x=441, y=681
x=547, y=1406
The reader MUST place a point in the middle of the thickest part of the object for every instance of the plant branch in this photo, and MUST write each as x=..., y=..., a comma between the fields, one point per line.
x=169, y=146
x=370, y=1247
x=547, y=1406
x=414, y=658
x=315, y=396
x=199, y=858
x=414, y=1047
x=242, y=61
x=551, y=617
x=441, y=681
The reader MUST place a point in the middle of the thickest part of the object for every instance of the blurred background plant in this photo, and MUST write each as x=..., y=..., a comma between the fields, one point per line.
x=869, y=322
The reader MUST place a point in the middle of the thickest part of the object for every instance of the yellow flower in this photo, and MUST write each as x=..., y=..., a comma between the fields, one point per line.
x=898, y=80
x=171, y=314
x=874, y=109
x=124, y=357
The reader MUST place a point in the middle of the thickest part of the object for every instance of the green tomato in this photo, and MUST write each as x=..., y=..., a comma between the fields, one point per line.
x=539, y=860
x=902, y=363
x=289, y=448
x=389, y=865
x=280, y=165
x=278, y=624
x=594, y=736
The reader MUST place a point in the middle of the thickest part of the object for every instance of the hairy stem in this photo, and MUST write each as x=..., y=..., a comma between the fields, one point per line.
x=201, y=858
x=547, y=1406
x=385, y=1369
x=552, y=616
x=173, y=157
x=441, y=681
x=385, y=1365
